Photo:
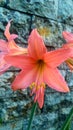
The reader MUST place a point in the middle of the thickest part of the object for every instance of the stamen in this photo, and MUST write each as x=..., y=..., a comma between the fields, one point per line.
x=70, y=61
x=43, y=85
x=32, y=85
x=37, y=86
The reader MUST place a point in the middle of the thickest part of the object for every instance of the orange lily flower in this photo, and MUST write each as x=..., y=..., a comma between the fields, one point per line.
x=39, y=67
x=8, y=47
x=69, y=38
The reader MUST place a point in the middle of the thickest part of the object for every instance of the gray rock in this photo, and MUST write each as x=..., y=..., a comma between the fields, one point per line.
x=65, y=11
x=50, y=17
x=42, y=121
x=16, y=125
x=2, y=2
x=69, y=78
x=42, y=8
x=4, y=115
x=55, y=9
x=19, y=26
x=51, y=31
x=2, y=91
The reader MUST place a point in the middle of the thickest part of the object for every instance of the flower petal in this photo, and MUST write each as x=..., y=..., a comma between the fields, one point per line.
x=39, y=87
x=40, y=97
x=55, y=58
x=24, y=79
x=54, y=79
x=12, y=37
x=14, y=49
x=7, y=33
x=20, y=61
x=12, y=45
x=18, y=51
x=67, y=36
x=36, y=46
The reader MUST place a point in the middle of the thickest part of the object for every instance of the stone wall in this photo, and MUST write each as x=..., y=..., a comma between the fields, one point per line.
x=50, y=17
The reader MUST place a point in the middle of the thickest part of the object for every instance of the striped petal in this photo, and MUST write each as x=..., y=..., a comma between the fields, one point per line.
x=36, y=47
x=12, y=37
x=20, y=61
x=55, y=58
x=40, y=97
x=54, y=80
x=24, y=79
x=7, y=33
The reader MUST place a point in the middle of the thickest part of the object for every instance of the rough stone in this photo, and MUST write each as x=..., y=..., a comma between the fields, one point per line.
x=42, y=121
x=59, y=98
x=50, y=17
x=51, y=31
x=19, y=26
x=12, y=104
x=54, y=9
x=65, y=11
x=44, y=8
x=16, y=125
x=69, y=78
x=2, y=2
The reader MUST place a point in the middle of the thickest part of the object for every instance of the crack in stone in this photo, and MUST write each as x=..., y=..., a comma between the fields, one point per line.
x=7, y=2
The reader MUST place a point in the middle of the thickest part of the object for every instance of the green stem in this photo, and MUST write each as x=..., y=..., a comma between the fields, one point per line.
x=66, y=125
x=32, y=115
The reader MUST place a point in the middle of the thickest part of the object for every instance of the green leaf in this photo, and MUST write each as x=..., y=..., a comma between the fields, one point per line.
x=67, y=123
x=32, y=115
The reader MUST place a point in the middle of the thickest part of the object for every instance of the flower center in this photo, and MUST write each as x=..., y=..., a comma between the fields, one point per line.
x=40, y=63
